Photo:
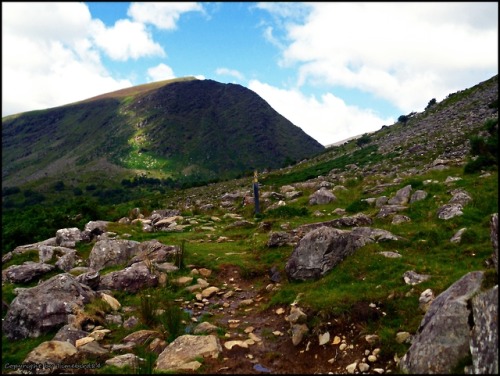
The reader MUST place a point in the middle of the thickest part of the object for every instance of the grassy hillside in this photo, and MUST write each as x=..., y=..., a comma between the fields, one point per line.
x=182, y=129
x=449, y=146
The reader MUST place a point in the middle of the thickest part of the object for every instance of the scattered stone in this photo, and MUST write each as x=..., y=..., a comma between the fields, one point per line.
x=298, y=333
x=351, y=367
x=83, y=341
x=412, y=278
x=402, y=337
x=113, y=303
x=363, y=367
x=324, y=338
x=120, y=361
x=181, y=354
x=425, y=300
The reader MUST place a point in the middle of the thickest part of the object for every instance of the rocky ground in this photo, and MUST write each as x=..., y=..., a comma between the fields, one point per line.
x=272, y=351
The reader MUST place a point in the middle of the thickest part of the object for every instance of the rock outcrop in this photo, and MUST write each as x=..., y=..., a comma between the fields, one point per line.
x=45, y=307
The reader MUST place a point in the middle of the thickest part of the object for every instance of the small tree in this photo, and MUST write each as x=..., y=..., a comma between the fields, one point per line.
x=403, y=119
x=431, y=103
x=364, y=139
x=484, y=150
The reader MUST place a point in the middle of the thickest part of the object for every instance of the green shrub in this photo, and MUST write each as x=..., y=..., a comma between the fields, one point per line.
x=148, y=308
x=484, y=149
x=172, y=319
x=357, y=206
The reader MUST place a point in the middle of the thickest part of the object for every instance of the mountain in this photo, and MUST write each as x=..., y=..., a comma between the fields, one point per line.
x=201, y=129
x=379, y=255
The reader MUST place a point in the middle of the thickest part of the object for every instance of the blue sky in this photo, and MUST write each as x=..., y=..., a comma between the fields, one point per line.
x=336, y=70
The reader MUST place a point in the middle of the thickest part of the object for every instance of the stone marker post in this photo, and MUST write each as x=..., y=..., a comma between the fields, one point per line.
x=256, y=191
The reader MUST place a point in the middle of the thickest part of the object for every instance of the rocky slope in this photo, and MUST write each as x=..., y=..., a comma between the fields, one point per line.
x=249, y=293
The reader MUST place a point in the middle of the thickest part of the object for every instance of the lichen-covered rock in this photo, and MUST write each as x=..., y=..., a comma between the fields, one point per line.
x=322, y=196
x=110, y=252
x=319, y=251
x=442, y=339
x=132, y=279
x=402, y=196
x=183, y=352
x=26, y=272
x=45, y=307
x=484, y=335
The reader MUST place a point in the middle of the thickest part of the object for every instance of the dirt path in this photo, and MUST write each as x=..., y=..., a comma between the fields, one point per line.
x=242, y=318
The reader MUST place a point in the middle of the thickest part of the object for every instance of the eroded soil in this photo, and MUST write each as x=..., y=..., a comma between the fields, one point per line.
x=275, y=352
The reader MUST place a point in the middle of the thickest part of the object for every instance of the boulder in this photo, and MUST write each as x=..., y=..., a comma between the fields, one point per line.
x=355, y=220
x=484, y=335
x=95, y=228
x=402, y=196
x=50, y=355
x=418, y=195
x=182, y=353
x=45, y=307
x=322, y=196
x=443, y=337
x=319, y=251
x=110, y=252
x=279, y=239
x=449, y=211
x=156, y=252
x=68, y=237
x=27, y=272
x=69, y=333
x=132, y=279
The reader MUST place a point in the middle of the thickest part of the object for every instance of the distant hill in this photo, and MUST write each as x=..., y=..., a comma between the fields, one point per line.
x=182, y=128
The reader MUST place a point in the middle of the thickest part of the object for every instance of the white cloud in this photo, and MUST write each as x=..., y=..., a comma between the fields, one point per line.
x=160, y=72
x=405, y=53
x=126, y=39
x=229, y=72
x=48, y=59
x=328, y=119
x=162, y=15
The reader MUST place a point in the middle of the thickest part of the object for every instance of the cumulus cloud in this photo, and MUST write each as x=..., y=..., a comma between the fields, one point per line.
x=51, y=58
x=405, y=53
x=160, y=72
x=229, y=72
x=125, y=40
x=327, y=119
x=162, y=15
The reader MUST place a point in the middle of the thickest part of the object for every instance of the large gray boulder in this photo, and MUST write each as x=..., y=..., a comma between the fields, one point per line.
x=402, y=196
x=42, y=308
x=68, y=237
x=279, y=239
x=322, y=196
x=27, y=272
x=319, y=251
x=356, y=220
x=134, y=278
x=443, y=338
x=155, y=252
x=484, y=335
x=112, y=252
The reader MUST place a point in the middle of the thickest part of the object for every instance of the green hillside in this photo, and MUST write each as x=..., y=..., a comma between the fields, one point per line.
x=182, y=129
